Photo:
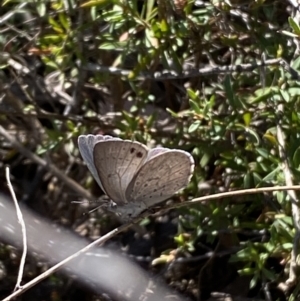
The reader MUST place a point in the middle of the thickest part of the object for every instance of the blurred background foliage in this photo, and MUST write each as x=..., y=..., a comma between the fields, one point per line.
x=215, y=78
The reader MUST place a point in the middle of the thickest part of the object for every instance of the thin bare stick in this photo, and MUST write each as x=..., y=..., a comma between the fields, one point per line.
x=188, y=73
x=55, y=171
x=295, y=202
x=23, y=227
x=122, y=228
x=233, y=193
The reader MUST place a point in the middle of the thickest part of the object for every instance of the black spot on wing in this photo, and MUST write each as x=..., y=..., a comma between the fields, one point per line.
x=138, y=153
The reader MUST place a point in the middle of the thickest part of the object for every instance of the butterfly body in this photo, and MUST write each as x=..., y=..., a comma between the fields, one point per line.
x=127, y=211
x=133, y=176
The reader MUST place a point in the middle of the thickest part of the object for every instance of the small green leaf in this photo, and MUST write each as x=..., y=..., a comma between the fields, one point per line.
x=248, y=180
x=296, y=63
x=262, y=95
x=41, y=8
x=174, y=114
x=254, y=280
x=234, y=101
x=271, y=176
x=285, y=95
x=164, y=25
x=247, y=271
x=205, y=159
x=195, y=107
x=294, y=25
x=150, y=120
x=64, y=21
x=194, y=126
x=192, y=94
x=55, y=25
x=99, y=3
x=296, y=158
x=263, y=152
x=271, y=138
x=247, y=118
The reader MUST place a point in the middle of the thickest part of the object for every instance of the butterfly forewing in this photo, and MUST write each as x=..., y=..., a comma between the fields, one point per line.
x=117, y=162
x=160, y=177
x=86, y=145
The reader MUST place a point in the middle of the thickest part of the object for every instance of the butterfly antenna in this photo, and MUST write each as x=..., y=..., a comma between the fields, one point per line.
x=94, y=209
x=80, y=202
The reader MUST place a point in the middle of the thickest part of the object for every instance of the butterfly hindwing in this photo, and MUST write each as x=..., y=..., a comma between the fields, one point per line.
x=161, y=176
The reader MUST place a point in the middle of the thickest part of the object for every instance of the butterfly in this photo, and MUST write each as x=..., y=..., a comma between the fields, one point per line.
x=133, y=176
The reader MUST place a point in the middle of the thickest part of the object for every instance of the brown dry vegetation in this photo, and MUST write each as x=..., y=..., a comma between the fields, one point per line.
x=215, y=78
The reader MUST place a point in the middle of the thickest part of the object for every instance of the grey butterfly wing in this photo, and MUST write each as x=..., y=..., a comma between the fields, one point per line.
x=116, y=163
x=86, y=144
x=161, y=176
x=156, y=151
